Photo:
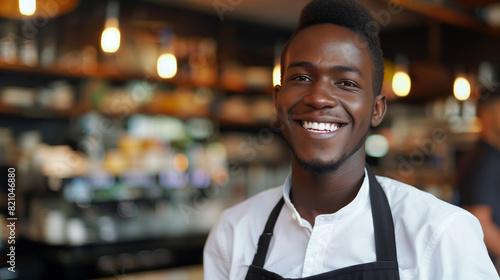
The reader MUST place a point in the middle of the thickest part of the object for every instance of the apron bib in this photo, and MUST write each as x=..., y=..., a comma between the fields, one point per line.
x=386, y=266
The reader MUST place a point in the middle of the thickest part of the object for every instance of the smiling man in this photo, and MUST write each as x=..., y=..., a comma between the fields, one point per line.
x=332, y=218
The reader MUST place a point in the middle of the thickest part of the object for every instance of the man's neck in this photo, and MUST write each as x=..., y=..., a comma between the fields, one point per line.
x=314, y=194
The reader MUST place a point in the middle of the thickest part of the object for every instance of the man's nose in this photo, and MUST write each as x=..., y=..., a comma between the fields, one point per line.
x=321, y=95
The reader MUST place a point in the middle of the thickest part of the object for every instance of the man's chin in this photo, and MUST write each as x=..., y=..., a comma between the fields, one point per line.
x=317, y=167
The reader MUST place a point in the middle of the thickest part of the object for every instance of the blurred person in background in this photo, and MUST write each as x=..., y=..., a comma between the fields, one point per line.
x=479, y=174
x=333, y=219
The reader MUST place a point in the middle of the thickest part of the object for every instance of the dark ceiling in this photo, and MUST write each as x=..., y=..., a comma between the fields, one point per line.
x=439, y=37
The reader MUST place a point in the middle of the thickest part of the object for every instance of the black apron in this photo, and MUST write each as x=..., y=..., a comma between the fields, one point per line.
x=386, y=266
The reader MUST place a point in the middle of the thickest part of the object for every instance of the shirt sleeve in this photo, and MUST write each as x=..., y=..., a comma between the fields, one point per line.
x=216, y=260
x=457, y=251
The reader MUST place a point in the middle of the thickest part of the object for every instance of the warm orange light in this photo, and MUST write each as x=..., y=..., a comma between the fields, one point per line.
x=27, y=7
x=401, y=84
x=461, y=89
x=110, y=39
x=181, y=162
x=167, y=66
x=276, y=74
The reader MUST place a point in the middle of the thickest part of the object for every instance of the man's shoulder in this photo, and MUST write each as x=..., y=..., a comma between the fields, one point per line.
x=410, y=203
x=399, y=192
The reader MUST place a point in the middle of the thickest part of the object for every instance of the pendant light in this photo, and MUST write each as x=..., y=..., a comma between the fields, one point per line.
x=461, y=88
x=27, y=7
x=16, y=9
x=110, y=39
x=166, y=65
x=276, y=73
x=401, y=82
x=278, y=47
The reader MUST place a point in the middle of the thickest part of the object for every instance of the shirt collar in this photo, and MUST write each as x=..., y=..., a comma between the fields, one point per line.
x=354, y=206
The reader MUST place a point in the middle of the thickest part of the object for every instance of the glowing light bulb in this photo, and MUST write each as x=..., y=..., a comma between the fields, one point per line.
x=167, y=66
x=461, y=89
x=401, y=83
x=27, y=7
x=110, y=39
x=276, y=74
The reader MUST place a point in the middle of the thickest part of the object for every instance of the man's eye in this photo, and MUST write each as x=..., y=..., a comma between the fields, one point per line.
x=301, y=78
x=348, y=84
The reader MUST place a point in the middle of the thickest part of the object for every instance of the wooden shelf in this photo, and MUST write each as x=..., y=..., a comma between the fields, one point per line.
x=80, y=109
x=52, y=71
x=103, y=71
x=38, y=112
x=448, y=15
x=149, y=109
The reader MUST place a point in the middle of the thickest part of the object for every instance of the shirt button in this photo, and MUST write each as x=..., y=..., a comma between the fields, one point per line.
x=294, y=216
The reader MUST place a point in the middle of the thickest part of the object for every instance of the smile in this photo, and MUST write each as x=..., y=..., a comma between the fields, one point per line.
x=320, y=127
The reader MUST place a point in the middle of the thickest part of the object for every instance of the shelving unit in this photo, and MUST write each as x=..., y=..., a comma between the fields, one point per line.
x=160, y=218
x=79, y=108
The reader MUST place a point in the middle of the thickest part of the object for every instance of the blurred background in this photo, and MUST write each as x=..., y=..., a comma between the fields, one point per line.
x=133, y=124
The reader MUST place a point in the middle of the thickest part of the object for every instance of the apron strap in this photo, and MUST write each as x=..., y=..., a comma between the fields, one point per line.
x=385, y=240
x=265, y=238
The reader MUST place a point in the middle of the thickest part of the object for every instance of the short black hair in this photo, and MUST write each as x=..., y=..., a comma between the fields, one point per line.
x=348, y=14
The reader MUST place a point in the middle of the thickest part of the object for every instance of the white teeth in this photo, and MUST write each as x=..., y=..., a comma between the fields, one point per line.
x=320, y=127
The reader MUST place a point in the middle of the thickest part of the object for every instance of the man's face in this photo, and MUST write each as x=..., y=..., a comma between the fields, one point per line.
x=325, y=103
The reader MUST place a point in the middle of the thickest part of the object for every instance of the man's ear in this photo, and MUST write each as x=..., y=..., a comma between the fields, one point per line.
x=277, y=89
x=276, y=123
x=379, y=109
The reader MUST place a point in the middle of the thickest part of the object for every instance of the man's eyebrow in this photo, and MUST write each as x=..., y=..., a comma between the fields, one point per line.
x=337, y=68
x=346, y=68
x=301, y=64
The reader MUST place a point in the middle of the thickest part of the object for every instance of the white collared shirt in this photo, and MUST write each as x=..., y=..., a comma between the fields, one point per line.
x=434, y=239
